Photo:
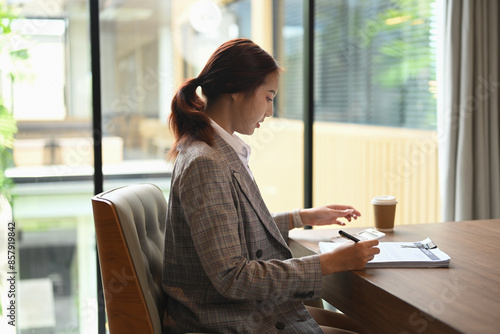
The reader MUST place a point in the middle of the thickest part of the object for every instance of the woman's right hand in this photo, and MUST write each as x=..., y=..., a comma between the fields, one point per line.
x=348, y=256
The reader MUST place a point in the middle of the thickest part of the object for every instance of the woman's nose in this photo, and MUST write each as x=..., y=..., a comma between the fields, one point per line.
x=270, y=109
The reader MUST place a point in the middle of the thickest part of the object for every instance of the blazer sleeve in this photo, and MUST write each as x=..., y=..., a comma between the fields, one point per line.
x=208, y=202
x=282, y=219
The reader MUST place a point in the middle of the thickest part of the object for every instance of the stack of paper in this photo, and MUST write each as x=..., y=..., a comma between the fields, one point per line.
x=401, y=255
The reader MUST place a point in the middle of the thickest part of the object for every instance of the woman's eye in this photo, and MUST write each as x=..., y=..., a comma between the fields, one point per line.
x=269, y=99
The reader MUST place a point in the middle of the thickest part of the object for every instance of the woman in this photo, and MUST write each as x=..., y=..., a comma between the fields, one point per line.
x=227, y=266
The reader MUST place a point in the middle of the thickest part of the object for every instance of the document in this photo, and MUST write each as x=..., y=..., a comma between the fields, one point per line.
x=401, y=255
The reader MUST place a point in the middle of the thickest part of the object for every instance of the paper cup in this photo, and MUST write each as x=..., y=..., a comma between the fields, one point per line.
x=384, y=209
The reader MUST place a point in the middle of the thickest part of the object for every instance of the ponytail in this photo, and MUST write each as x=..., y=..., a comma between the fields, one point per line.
x=187, y=120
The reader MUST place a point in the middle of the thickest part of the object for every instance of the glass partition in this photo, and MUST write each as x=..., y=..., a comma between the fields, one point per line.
x=374, y=130
x=46, y=87
x=149, y=48
x=375, y=107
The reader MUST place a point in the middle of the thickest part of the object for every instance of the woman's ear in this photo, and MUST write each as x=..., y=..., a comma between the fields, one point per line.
x=237, y=97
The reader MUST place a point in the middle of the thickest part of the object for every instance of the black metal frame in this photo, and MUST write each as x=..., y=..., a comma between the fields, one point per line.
x=308, y=101
x=97, y=135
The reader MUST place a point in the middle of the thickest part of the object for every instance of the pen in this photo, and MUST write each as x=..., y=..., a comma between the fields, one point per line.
x=348, y=236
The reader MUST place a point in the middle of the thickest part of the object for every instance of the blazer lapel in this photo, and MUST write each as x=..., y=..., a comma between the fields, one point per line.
x=249, y=188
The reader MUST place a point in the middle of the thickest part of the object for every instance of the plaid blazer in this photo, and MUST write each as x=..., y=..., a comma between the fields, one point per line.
x=227, y=266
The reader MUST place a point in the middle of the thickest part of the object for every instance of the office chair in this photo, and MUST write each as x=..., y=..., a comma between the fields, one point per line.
x=130, y=226
x=130, y=223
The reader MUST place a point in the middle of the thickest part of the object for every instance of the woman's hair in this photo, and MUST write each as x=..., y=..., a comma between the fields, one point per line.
x=238, y=65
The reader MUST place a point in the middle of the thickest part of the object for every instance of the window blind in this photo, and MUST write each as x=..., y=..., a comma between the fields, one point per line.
x=374, y=62
x=290, y=51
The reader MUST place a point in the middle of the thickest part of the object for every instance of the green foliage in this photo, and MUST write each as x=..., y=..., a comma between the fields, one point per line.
x=7, y=127
x=406, y=63
x=7, y=130
x=8, y=53
x=21, y=54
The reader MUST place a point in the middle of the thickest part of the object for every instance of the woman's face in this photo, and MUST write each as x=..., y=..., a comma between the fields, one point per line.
x=250, y=111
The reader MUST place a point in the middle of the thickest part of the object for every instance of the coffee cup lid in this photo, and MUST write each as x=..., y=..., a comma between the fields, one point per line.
x=384, y=200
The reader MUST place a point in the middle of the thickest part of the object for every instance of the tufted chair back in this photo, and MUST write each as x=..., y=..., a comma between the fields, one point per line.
x=130, y=225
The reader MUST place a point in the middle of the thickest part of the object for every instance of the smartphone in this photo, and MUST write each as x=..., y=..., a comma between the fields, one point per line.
x=368, y=234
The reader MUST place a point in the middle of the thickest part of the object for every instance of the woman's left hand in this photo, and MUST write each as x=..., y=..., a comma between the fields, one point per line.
x=327, y=215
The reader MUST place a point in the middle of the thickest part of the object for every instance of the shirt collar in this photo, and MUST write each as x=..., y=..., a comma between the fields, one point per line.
x=241, y=148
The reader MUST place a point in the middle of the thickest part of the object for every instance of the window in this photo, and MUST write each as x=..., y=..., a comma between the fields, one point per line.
x=49, y=96
x=374, y=129
x=147, y=50
x=375, y=63
x=289, y=46
x=374, y=101
x=375, y=106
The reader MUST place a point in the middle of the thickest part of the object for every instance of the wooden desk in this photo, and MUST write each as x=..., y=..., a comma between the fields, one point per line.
x=464, y=298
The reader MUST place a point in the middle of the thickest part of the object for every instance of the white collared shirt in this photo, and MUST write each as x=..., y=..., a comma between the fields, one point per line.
x=241, y=148
x=243, y=151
